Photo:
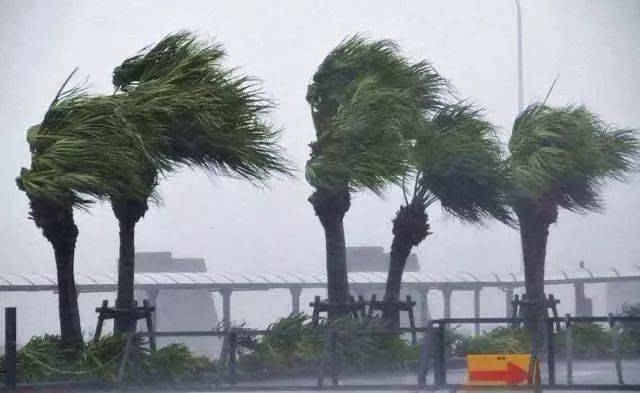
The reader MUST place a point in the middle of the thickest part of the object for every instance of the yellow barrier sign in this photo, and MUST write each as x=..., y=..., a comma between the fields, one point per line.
x=501, y=369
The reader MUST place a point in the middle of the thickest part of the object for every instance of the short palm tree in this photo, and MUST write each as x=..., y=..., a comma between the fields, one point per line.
x=78, y=153
x=200, y=115
x=560, y=158
x=365, y=99
x=455, y=160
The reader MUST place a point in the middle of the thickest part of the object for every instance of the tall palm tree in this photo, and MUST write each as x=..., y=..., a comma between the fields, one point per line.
x=365, y=99
x=201, y=115
x=560, y=158
x=456, y=160
x=78, y=153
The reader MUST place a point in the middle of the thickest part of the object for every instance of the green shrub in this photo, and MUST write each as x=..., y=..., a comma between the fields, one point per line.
x=589, y=340
x=175, y=363
x=303, y=345
x=630, y=331
x=498, y=340
x=43, y=359
x=289, y=343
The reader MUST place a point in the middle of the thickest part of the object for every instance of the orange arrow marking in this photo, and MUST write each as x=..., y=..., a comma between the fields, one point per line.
x=512, y=375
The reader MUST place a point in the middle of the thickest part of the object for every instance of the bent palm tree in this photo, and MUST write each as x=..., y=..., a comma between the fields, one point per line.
x=78, y=151
x=456, y=160
x=560, y=158
x=365, y=99
x=200, y=115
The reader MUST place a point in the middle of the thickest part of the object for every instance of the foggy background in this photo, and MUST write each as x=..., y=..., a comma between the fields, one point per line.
x=592, y=45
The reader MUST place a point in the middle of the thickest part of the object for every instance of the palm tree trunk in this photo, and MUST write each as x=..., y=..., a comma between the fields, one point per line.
x=70, y=328
x=128, y=214
x=410, y=227
x=330, y=207
x=535, y=219
x=59, y=228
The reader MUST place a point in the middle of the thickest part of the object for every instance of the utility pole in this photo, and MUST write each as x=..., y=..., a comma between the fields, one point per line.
x=520, y=88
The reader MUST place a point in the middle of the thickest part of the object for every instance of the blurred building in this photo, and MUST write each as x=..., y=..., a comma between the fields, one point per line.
x=179, y=309
x=619, y=293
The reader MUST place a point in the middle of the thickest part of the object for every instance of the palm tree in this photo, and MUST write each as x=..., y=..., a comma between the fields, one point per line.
x=365, y=99
x=456, y=160
x=560, y=158
x=201, y=115
x=78, y=152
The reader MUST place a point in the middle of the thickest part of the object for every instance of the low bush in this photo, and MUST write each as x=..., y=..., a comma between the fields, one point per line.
x=590, y=340
x=630, y=331
x=295, y=342
x=43, y=359
x=498, y=340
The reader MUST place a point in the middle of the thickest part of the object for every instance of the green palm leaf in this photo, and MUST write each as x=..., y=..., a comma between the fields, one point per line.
x=457, y=160
x=566, y=154
x=366, y=101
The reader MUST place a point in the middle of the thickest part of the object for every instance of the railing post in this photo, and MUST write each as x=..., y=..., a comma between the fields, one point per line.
x=616, y=348
x=423, y=367
x=137, y=364
x=515, y=309
x=10, y=357
x=148, y=317
x=569, y=348
x=440, y=368
x=125, y=358
x=551, y=353
x=333, y=360
x=328, y=358
x=232, y=357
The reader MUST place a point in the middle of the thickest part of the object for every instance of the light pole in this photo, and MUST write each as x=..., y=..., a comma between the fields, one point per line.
x=520, y=90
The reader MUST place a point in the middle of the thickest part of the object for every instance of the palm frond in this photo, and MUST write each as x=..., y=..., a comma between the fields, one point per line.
x=366, y=100
x=206, y=115
x=458, y=161
x=567, y=153
x=82, y=151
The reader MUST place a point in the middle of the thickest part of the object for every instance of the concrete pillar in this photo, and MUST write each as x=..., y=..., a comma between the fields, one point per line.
x=295, y=299
x=508, y=297
x=583, y=305
x=152, y=296
x=424, y=307
x=476, y=309
x=226, y=307
x=446, y=295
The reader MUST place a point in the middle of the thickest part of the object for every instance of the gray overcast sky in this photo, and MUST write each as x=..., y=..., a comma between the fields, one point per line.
x=591, y=44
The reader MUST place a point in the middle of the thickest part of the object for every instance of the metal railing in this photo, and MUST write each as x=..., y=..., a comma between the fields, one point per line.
x=434, y=347
x=433, y=354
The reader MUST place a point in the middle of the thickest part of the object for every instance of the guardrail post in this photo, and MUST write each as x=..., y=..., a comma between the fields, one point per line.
x=232, y=357
x=125, y=358
x=616, y=348
x=440, y=370
x=148, y=310
x=569, y=348
x=333, y=359
x=423, y=367
x=137, y=364
x=551, y=352
x=10, y=357
x=328, y=358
